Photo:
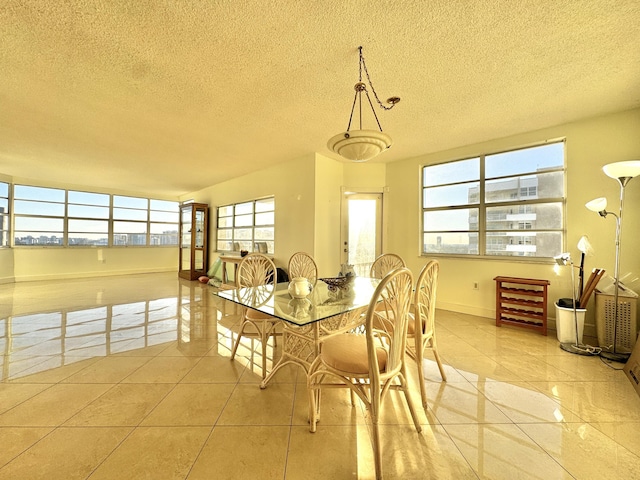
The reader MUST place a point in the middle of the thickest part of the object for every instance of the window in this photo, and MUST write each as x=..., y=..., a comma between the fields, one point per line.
x=247, y=226
x=4, y=214
x=164, y=218
x=88, y=218
x=504, y=204
x=56, y=217
x=39, y=215
x=130, y=218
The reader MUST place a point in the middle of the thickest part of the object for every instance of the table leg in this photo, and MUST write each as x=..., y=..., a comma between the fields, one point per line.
x=225, y=277
x=300, y=347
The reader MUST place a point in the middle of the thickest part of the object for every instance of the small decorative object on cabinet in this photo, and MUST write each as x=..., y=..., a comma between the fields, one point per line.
x=522, y=302
x=194, y=227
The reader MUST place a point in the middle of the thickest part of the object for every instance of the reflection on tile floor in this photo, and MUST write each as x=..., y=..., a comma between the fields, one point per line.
x=130, y=377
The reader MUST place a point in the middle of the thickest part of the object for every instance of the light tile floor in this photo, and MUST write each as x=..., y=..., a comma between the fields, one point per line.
x=129, y=377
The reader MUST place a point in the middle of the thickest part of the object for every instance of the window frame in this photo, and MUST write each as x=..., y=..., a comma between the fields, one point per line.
x=162, y=237
x=484, y=206
x=76, y=217
x=161, y=240
x=235, y=225
x=126, y=215
x=5, y=216
x=57, y=217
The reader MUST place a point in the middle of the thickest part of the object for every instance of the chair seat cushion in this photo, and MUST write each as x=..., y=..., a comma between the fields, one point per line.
x=256, y=315
x=348, y=353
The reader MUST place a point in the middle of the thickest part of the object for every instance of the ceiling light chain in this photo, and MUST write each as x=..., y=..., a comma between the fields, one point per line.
x=391, y=100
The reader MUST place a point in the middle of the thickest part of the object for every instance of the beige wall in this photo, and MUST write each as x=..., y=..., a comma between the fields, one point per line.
x=328, y=186
x=45, y=263
x=589, y=145
x=57, y=263
x=6, y=265
x=308, y=194
x=293, y=186
x=365, y=177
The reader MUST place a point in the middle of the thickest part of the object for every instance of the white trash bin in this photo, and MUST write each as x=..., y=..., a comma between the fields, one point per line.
x=566, y=324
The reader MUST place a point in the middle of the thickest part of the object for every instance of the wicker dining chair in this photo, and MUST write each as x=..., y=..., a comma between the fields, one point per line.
x=380, y=267
x=369, y=364
x=254, y=270
x=421, y=328
x=302, y=264
x=384, y=264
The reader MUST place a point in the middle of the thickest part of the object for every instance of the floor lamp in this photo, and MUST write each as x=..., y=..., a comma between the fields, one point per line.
x=623, y=172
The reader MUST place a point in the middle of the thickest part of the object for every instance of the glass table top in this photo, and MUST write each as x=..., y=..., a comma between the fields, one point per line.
x=321, y=303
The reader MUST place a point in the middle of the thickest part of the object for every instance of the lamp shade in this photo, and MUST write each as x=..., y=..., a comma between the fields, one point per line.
x=597, y=204
x=563, y=258
x=359, y=145
x=628, y=169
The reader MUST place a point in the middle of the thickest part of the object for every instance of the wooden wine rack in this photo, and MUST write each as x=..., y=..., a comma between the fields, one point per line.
x=522, y=302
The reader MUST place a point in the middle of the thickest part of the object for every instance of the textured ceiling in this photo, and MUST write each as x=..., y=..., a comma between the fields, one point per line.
x=167, y=97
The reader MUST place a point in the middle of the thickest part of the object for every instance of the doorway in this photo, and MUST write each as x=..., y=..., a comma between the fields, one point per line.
x=362, y=230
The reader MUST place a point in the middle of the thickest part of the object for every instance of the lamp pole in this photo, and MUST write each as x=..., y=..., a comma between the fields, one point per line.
x=623, y=172
x=614, y=354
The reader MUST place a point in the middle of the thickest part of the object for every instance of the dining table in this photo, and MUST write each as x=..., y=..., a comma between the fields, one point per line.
x=327, y=309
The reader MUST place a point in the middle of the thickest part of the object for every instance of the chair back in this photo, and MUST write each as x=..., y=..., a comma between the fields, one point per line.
x=395, y=292
x=256, y=269
x=384, y=264
x=302, y=264
x=425, y=299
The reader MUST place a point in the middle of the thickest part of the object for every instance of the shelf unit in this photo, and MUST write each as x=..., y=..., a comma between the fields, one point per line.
x=522, y=302
x=194, y=227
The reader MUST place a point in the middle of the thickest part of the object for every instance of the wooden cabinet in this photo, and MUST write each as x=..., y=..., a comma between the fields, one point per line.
x=194, y=227
x=522, y=302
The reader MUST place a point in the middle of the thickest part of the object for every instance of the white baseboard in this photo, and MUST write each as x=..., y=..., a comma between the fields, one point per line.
x=466, y=309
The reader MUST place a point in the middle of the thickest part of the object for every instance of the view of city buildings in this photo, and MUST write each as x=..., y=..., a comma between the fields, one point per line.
x=524, y=229
x=522, y=217
x=45, y=216
x=167, y=238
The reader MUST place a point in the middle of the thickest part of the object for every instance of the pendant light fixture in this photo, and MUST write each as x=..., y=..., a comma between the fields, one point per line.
x=361, y=145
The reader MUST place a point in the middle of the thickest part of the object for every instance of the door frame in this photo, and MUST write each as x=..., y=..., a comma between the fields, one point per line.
x=372, y=193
